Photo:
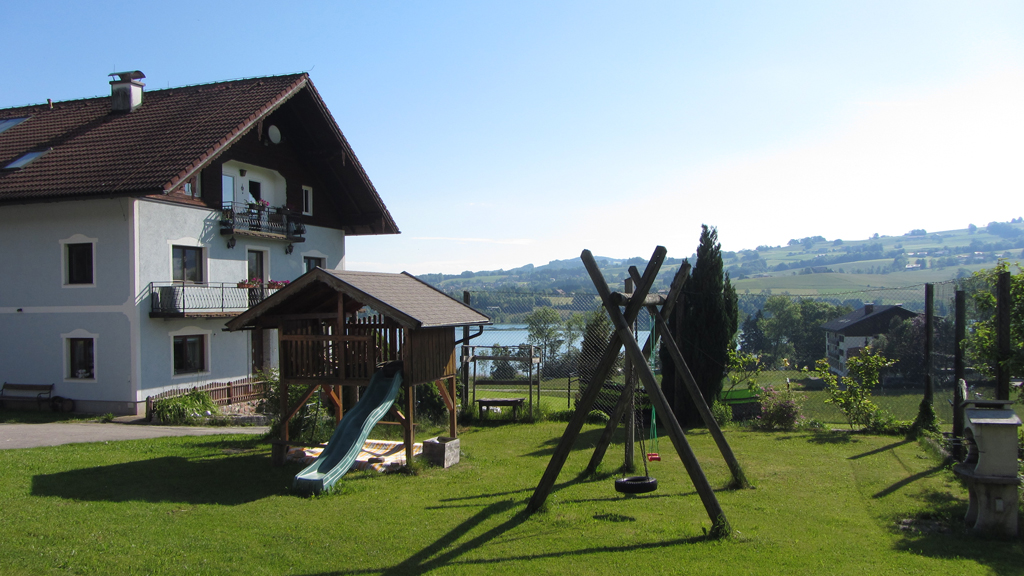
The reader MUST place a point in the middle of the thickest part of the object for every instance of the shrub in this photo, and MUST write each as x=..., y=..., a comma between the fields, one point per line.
x=780, y=410
x=187, y=409
x=314, y=422
x=882, y=421
x=597, y=417
x=721, y=412
x=852, y=394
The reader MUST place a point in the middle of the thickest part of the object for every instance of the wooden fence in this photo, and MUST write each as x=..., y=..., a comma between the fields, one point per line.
x=222, y=393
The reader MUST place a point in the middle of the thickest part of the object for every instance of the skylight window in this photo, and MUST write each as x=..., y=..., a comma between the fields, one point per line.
x=6, y=123
x=24, y=160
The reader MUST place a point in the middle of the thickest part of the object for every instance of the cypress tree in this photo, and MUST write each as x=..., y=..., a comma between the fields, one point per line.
x=703, y=324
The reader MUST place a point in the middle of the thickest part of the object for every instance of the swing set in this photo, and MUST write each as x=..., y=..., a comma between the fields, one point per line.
x=622, y=336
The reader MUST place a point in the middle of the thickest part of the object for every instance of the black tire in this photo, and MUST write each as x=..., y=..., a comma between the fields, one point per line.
x=636, y=485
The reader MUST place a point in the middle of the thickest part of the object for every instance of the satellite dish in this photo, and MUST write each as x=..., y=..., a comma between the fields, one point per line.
x=274, y=133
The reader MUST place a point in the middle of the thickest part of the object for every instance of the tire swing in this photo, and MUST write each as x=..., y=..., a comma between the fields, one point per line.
x=642, y=484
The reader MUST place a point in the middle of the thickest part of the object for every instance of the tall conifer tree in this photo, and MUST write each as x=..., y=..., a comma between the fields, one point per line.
x=703, y=324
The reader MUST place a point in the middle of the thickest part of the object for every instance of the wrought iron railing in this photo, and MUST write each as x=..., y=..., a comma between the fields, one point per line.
x=240, y=216
x=177, y=298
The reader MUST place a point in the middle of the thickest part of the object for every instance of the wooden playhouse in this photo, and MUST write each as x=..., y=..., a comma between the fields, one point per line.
x=334, y=327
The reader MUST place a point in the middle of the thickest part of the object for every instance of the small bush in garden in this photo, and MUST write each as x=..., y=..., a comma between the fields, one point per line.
x=314, y=422
x=721, y=412
x=186, y=409
x=780, y=410
x=852, y=394
x=882, y=421
x=597, y=417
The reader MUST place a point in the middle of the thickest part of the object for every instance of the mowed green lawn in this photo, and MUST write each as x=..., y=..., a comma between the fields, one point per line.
x=824, y=503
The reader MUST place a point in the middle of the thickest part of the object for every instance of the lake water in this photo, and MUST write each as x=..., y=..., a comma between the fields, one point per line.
x=517, y=334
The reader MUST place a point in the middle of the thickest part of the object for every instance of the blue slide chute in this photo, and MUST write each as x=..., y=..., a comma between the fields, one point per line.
x=347, y=441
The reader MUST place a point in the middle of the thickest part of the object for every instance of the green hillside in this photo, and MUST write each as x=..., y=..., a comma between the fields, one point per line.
x=812, y=266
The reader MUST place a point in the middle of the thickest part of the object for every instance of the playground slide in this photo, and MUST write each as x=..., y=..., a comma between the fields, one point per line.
x=339, y=455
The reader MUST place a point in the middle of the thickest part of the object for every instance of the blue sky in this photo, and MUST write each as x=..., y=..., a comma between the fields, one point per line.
x=502, y=134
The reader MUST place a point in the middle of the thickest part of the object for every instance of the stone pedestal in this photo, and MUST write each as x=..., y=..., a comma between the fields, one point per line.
x=990, y=468
x=441, y=451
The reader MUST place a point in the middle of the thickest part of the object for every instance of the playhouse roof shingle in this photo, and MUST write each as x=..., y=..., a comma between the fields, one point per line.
x=402, y=297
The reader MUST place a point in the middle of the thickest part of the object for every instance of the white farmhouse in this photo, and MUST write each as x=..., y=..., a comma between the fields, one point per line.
x=846, y=337
x=133, y=226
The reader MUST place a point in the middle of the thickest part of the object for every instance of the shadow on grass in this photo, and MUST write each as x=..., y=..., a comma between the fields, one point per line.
x=907, y=480
x=939, y=532
x=222, y=480
x=584, y=441
x=831, y=437
x=444, y=552
x=880, y=450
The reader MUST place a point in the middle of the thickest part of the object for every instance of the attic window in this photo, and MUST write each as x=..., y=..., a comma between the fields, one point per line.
x=24, y=160
x=10, y=123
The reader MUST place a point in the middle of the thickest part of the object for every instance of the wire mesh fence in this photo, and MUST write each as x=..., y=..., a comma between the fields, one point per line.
x=569, y=333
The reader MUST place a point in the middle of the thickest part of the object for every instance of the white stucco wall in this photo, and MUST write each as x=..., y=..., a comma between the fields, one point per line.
x=38, y=310
x=132, y=241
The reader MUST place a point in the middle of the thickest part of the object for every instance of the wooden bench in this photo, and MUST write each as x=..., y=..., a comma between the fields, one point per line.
x=39, y=393
x=515, y=403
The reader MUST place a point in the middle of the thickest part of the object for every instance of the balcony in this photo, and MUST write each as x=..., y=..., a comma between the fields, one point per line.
x=257, y=220
x=211, y=300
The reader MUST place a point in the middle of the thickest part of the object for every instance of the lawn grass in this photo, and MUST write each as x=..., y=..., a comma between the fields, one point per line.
x=824, y=503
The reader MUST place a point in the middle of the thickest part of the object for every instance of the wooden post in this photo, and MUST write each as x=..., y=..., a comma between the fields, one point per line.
x=720, y=525
x=586, y=402
x=1003, y=336
x=960, y=331
x=929, y=315
x=630, y=399
x=467, y=299
x=410, y=402
x=453, y=422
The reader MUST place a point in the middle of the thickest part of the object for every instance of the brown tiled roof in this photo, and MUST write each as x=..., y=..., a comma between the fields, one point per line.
x=406, y=294
x=92, y=151
x=96, y=151
x=402, y=297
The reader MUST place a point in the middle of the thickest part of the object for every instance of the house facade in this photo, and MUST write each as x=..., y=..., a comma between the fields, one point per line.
x=135, y=225
x=846, y=337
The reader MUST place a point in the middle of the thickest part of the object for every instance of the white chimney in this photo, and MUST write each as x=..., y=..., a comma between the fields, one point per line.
x=126, y=91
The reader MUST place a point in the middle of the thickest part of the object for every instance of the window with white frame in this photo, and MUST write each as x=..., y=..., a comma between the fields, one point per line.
x=81, y=358
x=189, y=354
x=307, y=200
x=311, y=262
x=79, y=355
x=187, y=264
x=78, y=261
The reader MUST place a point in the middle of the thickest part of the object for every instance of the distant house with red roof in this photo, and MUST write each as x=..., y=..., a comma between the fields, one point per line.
x=846, y=337
x=134, y=225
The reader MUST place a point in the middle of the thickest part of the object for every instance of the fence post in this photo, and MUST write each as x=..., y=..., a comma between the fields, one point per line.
x=1003, y=336
x=929, y=314
x=465, y=356
x=960, y=330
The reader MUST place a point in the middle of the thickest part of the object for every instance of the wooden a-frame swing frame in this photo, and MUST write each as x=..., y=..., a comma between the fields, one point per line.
x=622, y=336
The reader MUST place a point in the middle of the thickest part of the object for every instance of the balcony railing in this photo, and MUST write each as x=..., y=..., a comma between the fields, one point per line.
x=176, y=299
x=242, y=217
